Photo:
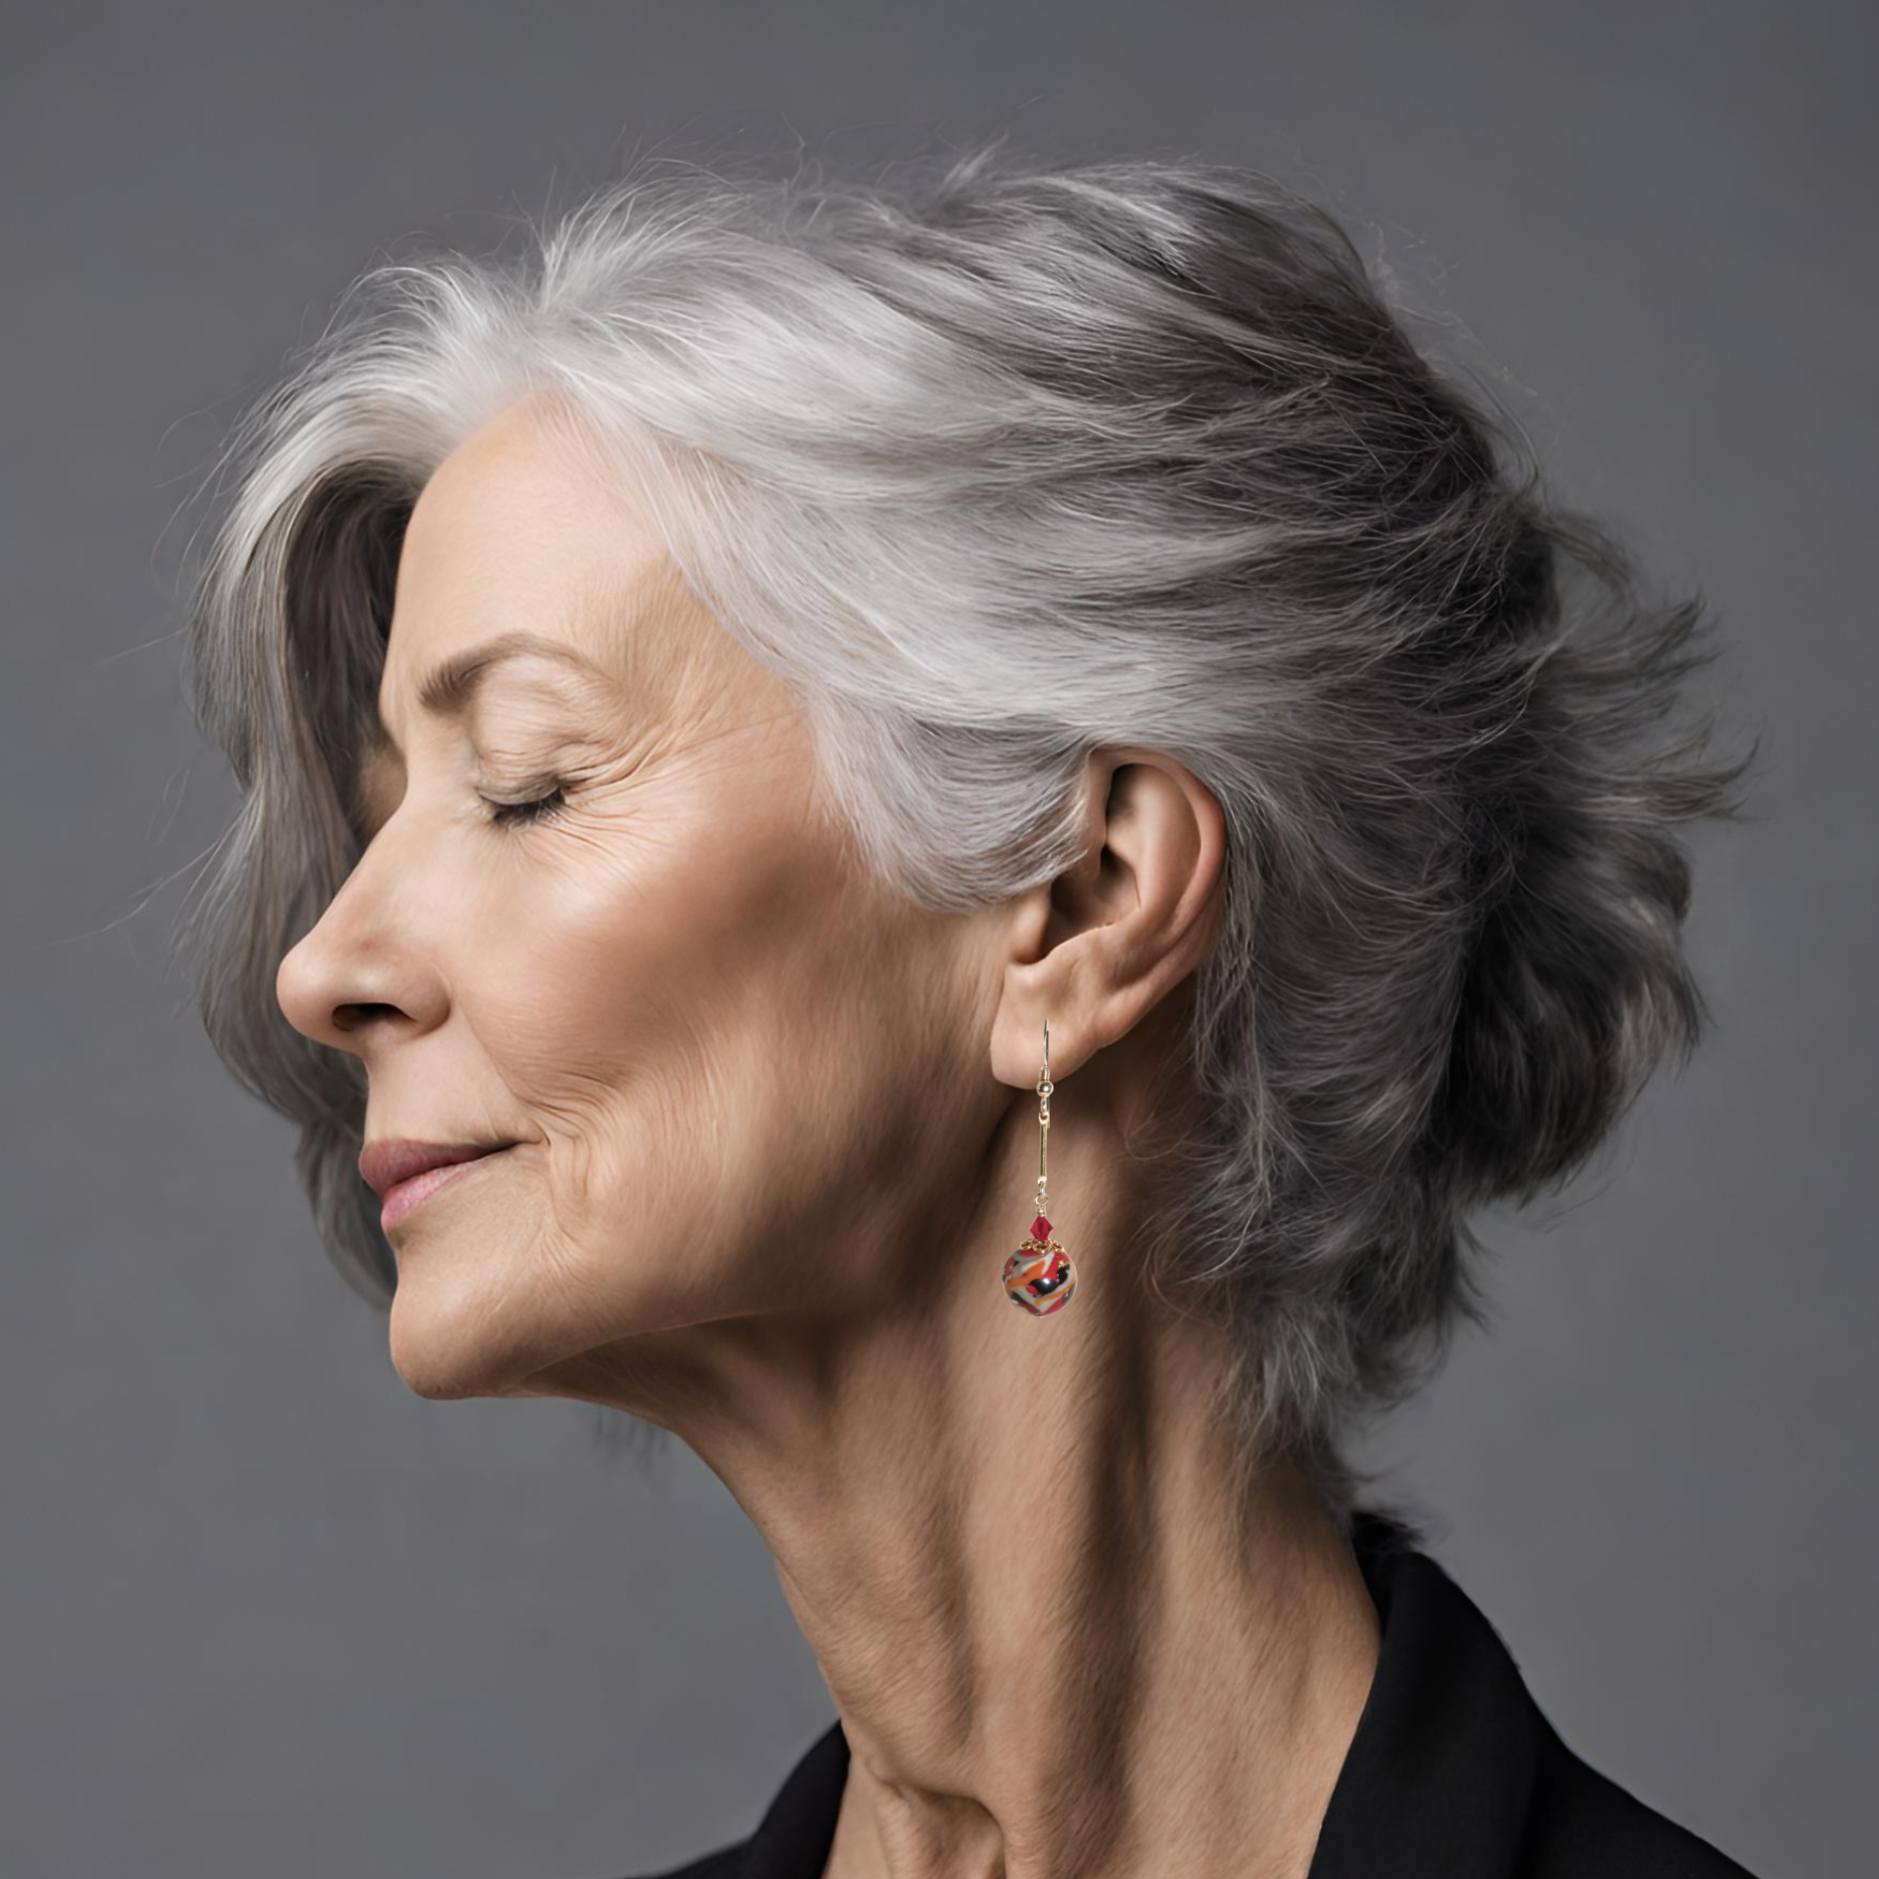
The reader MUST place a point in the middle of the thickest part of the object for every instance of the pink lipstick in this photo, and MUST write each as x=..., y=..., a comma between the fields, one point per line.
x=403, y=1173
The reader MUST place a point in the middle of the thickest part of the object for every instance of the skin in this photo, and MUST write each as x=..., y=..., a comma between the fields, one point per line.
x=776, y=1132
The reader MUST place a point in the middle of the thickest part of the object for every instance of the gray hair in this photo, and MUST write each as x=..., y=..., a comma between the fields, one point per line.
x=997, y=464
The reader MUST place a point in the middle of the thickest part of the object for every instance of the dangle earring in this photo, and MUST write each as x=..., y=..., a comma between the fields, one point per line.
x=1039, y=1277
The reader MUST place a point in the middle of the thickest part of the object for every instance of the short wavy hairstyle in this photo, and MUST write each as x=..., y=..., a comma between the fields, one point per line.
x=997, y=461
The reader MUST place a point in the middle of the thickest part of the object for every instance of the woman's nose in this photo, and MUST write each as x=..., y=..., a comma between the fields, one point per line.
x=352, y=977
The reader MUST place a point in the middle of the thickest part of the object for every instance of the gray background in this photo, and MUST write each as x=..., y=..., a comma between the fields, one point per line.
x=264, y=1609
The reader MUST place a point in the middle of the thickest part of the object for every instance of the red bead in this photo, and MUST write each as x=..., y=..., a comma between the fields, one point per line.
x=1040, y=1228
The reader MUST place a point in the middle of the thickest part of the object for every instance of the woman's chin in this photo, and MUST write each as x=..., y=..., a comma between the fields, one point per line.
x=448, y=1345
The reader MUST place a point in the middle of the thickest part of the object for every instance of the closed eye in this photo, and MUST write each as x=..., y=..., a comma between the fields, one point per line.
x=522, y=814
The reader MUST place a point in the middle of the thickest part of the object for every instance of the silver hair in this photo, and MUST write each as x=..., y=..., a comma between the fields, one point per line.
x=997, y=463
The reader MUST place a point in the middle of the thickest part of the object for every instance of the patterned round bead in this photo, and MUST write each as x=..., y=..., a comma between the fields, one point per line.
x=1040, y=1279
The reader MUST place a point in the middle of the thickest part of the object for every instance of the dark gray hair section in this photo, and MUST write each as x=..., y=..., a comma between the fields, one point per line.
x=999, y=462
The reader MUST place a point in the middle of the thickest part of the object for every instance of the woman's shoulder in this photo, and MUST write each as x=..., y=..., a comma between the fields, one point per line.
x=1582, y=1822
x=1456, y=1772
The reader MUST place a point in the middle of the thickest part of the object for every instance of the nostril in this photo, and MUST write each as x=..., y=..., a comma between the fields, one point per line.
x=356, y=1017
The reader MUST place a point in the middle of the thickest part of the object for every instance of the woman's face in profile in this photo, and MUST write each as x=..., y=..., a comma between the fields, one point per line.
x=599, y=918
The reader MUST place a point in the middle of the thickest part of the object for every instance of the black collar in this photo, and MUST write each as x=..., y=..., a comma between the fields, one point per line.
x=1453, y=1772
x=1439, y=1777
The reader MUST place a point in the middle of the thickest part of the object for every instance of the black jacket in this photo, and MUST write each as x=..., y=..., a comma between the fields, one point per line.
x=1453, y=1773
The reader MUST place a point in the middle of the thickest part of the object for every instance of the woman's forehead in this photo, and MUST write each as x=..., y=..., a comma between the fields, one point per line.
x=514, y=518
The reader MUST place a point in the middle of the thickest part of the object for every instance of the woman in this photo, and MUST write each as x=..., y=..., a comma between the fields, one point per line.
x=825, y=762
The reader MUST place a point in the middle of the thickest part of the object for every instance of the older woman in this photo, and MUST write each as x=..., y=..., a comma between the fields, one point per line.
x=821, y=763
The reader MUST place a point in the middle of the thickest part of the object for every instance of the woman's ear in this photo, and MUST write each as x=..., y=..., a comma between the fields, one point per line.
x=1096, y=949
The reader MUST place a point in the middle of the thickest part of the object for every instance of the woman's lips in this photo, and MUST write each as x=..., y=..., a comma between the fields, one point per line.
x=400, y=1199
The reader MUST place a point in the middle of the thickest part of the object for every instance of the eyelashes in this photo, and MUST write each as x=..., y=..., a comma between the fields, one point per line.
x=508, y=815
x=503, y=815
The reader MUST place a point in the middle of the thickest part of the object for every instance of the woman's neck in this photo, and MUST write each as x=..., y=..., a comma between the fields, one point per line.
x=1011, y=1543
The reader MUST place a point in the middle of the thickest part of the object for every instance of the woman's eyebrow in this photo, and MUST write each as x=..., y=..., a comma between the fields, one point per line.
x=448, y=690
